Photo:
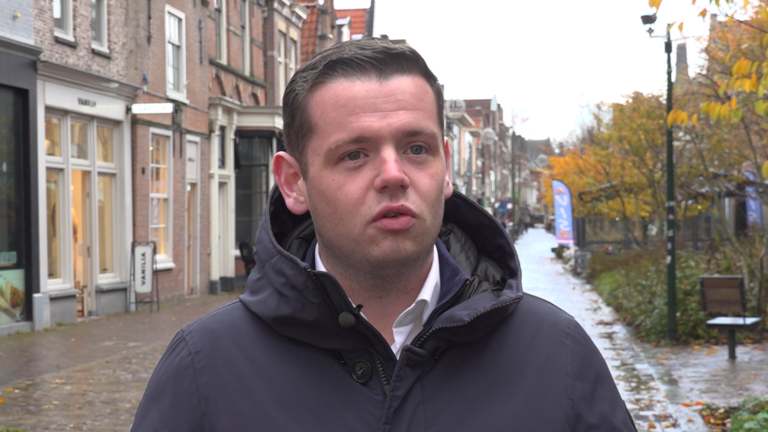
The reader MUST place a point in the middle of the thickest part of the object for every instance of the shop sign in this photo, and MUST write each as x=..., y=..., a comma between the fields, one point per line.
x=142, y=275
x=152, y=108
x=8, y=258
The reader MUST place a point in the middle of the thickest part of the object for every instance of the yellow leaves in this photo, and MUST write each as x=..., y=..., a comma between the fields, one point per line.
x=746, y=4
x=741, y=68
x=678, y=117
x=2, y=401
x=703, y=14
x=733, y=103
x=680, y=28
x=729, y=21
x=654, y=4
x=695, y=120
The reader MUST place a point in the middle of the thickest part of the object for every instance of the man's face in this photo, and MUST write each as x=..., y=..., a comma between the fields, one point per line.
x=376, y=180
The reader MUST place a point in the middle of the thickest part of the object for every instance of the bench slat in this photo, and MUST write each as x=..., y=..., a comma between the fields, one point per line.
x=733, y=321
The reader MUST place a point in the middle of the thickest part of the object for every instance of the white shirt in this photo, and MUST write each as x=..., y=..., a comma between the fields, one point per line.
x=411, y=321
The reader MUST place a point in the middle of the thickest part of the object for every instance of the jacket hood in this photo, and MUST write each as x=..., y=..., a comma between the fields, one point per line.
x=479, y=272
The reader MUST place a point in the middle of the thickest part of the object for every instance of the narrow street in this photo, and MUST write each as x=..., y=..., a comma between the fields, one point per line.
x=90, y=376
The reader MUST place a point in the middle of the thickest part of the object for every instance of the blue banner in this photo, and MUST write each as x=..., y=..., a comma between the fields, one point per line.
x=563, y=213
x=754, y=207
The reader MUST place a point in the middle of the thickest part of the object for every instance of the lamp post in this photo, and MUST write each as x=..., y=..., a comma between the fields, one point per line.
x=649, y=20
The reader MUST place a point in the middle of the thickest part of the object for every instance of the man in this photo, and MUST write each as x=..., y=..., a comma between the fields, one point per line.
x=380, y=299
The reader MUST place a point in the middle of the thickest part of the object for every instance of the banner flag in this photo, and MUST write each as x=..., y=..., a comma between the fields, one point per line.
x=563, y=213
x=754, y=206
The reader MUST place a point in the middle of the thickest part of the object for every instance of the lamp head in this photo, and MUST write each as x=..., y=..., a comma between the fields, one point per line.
x=648, y=19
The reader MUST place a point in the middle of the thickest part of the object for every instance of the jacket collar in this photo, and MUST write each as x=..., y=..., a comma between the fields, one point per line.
x=479, y=271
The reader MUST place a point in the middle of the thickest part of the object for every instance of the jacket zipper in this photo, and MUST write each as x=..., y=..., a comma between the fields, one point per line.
x=472, y=318
x=382, y=374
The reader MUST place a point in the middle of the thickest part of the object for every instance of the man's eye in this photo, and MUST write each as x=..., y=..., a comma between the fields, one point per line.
x=353, y=156
x=417, y=150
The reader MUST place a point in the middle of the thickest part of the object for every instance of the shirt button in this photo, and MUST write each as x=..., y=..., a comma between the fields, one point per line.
x=361, y=371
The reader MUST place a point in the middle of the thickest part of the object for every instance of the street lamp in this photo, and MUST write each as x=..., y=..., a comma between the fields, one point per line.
x=649, y=20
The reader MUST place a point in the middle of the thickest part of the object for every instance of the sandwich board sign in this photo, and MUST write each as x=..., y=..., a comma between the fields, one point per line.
x=143, y=260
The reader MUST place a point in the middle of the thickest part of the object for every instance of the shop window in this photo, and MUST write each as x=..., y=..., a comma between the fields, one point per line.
x=105, y=148
x=99, y=25
x=53, y=221
x=105, y=193
x=13, y=216
x=62, y=18
x=175, y=53
x=52, y=136
x=251, y=185
x=79, y=140
x=160, y=196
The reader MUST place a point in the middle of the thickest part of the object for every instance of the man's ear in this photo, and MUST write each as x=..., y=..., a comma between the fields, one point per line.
x=291, y=182
x=448, y=186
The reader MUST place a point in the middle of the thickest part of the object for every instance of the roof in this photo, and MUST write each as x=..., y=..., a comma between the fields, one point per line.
x=309, y=34
x=358, y=19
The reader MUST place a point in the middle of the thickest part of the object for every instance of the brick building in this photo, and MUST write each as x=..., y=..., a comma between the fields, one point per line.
x=166, y=57
x=84, y=178
x=105, y=178
x=20, y=193
x=254, y=49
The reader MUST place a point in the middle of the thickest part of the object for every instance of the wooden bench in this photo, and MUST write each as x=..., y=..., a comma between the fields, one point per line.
x=725, y=295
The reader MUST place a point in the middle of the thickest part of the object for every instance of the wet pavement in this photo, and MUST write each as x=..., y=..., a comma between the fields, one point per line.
x=90, y=376
x=656, y=383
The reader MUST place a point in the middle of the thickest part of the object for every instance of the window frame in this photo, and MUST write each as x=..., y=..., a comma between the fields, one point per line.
x=181, y=93
x=102, y=42
x=164, y=261
x=245, y=29
x=282, y=42
x=67, y=29
x=220, y=29
x=292, y=55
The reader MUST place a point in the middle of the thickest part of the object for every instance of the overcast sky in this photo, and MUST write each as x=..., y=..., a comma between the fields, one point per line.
x=546, y=61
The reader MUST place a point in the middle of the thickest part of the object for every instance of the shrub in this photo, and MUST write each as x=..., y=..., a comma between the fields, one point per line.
x=752, y=417
x=635, y=285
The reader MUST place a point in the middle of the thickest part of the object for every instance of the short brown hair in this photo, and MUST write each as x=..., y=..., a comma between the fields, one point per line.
x=356, y=59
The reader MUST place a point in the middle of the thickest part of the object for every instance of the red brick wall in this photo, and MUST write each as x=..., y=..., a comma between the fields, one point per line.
x=82, y=57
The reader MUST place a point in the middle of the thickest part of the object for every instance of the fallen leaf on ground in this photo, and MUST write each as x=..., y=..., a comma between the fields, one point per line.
x=9, y=390
x=651, y=425
x=2, y=401
x=686, y=404
x=699, y=402
x=710, y=352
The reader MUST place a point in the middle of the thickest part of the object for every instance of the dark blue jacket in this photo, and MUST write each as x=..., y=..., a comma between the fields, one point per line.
x=292, y=354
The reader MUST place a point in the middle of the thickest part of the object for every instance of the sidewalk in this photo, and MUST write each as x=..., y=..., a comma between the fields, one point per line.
x=654, y=382
x=89, y=375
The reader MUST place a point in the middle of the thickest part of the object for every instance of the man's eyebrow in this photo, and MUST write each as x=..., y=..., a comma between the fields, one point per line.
x=413, y=133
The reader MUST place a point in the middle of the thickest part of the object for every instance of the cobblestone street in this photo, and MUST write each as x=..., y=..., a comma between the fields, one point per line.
x=90, y=376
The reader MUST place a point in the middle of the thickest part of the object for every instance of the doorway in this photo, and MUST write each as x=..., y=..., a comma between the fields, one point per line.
x=81, y=234
x=193, y=236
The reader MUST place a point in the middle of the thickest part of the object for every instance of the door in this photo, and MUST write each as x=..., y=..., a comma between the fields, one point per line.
x=193, y=235
x=81, y=235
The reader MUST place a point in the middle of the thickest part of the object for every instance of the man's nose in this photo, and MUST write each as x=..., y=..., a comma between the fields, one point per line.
x=392, y=175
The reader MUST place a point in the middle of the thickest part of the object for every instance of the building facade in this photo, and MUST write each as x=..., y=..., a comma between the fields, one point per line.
x=84, y=160
x=19, y=194
x=167, y=60
x=254, y=49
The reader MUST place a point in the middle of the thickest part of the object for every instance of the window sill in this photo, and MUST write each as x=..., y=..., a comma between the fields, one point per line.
x=165, y=265
x=65, y=40
x=181, y=97
x=101, y=52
